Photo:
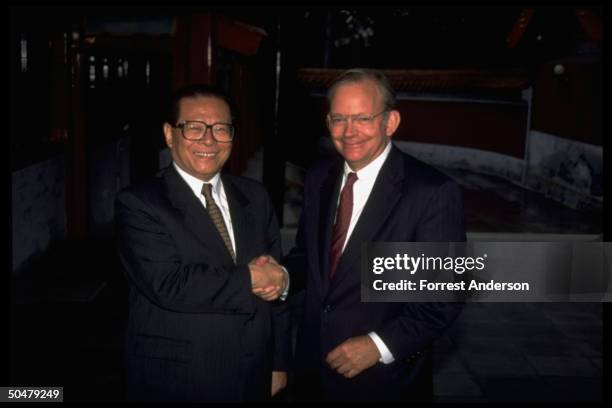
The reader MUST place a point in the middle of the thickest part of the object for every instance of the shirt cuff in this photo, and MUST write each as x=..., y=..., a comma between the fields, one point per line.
x=385, y=355
x=285, y=293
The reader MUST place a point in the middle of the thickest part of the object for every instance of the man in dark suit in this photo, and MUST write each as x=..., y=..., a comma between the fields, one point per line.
x=204, y=320
x=346, y=349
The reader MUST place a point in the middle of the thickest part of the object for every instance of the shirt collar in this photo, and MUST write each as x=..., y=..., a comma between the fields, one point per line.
x=370, y=171
x=196, y=184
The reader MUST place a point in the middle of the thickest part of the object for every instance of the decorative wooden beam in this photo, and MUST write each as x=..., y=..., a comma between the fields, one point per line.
x=591, y=24
x=513, y=38
x=429, y=80
x=242, y=38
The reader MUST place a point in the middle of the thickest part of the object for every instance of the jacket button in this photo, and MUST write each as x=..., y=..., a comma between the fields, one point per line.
x=327, y=309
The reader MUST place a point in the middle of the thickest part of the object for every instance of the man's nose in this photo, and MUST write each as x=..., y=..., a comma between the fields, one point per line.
x=207, y=138
x=350, y=127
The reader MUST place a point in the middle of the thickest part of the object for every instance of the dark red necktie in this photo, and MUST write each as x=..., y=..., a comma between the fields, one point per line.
x=343, y=219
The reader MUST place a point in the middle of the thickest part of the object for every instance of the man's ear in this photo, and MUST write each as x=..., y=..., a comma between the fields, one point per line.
x=168, y=134
x=393, y=121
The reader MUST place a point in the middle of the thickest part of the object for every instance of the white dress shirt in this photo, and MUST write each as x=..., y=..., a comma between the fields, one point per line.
x=218, y=193
x=366, y=177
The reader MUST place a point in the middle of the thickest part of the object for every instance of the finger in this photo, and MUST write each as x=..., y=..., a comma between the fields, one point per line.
x=344, y=369
x=262, y=291
x=257, y=261
x=266, y=289
x=270, y=258
x=335, y=365
x=272, y=290
x=336, y=361
x=351, y=373
x=271, y=296
x=333, y=355
x=275, y=295
x=260, y=260
x=264, y=295
x=267, y=293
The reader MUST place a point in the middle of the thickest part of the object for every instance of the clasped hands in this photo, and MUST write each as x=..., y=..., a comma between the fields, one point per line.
x=268, y=278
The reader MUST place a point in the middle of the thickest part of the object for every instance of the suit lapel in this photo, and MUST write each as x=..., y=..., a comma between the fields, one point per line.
x=384, y=196
x=195, y=217
x=330, y=189
x=242, y=219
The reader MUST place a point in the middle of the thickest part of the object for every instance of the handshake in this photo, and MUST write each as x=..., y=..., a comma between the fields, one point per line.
x=268, y=279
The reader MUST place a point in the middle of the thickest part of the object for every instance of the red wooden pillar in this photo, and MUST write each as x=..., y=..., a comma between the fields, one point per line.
x=76, y=146
x=60, y=86
x=193, y=50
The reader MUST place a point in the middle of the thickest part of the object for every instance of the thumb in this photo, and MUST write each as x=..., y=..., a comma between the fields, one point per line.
x=261, y=260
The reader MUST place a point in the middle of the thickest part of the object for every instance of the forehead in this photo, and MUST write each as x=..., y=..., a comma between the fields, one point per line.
x=364, y=92
x=204, y=106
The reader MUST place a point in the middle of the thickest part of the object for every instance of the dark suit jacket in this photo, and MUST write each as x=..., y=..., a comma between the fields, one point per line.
x=410, y=201
x=195, y=331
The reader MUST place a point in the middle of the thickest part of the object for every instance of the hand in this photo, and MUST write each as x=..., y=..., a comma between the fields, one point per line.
x=267, y=277
x=279, y=381
x=270, y=292
x=353, y=356
x=263, y=259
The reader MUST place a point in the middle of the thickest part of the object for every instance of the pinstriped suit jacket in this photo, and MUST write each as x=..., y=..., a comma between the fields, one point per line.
x=195, y=331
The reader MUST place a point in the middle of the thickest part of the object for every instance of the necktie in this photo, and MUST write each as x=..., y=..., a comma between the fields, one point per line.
x=343, y=219
x=217, y=218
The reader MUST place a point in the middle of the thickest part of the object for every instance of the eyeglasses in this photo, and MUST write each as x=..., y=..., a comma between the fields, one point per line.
x=361, y=120
x=195, y=130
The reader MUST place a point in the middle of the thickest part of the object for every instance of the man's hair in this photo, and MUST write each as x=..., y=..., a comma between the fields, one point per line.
x=363, y=74
x=195, y=91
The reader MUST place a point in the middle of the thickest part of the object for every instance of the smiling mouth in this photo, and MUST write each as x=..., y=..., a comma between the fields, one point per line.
x=352, y=145
x=205, y=154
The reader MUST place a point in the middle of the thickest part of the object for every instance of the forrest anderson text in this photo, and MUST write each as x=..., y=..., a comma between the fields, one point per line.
x=424, y=284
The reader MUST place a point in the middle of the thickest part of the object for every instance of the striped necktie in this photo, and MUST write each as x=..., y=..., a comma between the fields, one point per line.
x=217, y=218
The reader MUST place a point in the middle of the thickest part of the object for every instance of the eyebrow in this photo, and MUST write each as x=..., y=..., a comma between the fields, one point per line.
x=354, y=114
x=199, y=120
